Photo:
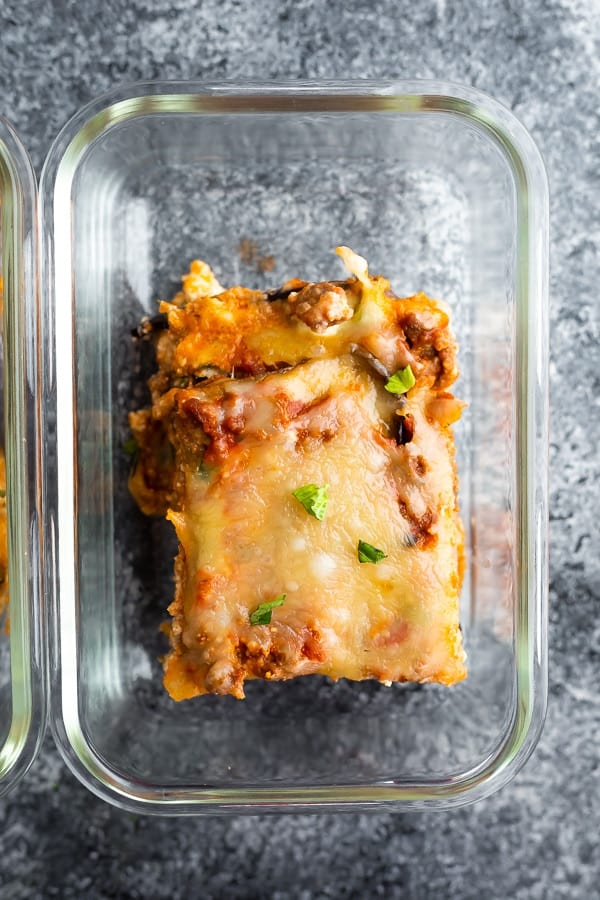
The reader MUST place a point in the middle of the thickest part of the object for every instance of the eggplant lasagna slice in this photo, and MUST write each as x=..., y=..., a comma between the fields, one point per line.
x=300, y=441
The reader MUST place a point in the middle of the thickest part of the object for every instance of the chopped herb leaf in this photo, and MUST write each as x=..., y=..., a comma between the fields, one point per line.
x=2, y=494
x=132, y=449
x=367, y=553
x=313, y=498
x=401, y=381
x=262, y=613
x=130, y=446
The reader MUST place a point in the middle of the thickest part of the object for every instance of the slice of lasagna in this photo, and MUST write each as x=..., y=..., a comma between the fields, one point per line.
x=300, y=441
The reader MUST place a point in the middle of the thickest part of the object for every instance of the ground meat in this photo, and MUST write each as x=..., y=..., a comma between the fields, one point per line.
x=321, y=305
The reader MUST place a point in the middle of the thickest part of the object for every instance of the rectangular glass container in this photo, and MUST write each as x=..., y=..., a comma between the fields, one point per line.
x=443, y=191
x=22, y=670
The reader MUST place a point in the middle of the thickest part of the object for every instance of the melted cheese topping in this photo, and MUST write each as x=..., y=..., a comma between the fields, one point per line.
x=244, y=444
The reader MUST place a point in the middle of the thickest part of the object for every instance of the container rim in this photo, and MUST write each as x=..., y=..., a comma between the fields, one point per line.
x=497, y=124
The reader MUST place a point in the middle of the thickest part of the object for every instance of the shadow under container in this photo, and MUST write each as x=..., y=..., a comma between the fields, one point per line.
x=22, y=668
x=443, y=191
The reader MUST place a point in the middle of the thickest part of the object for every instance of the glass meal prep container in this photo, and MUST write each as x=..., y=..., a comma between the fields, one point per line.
x=22, y=669
x=442, y=190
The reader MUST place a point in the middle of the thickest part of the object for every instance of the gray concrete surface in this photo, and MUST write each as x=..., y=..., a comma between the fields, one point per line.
x=539, y=838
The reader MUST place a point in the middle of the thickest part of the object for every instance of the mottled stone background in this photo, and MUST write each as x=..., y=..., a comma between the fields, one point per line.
x=539, y=837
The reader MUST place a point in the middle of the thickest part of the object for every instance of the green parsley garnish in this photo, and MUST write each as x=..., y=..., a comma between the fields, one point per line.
x=313, y=498
x=367, y=553
x=132, y=450
x=2, y=494
x=262, y=613
x=130, y=446
x=401, y=381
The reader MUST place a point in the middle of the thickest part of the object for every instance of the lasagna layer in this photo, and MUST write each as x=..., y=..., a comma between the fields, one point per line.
x=259, y=395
